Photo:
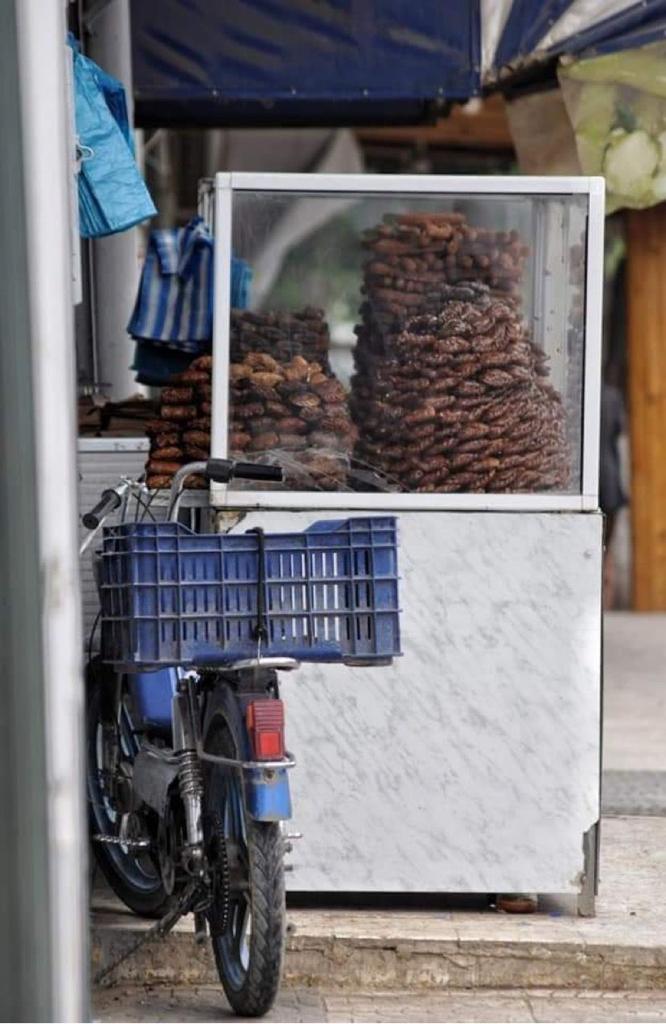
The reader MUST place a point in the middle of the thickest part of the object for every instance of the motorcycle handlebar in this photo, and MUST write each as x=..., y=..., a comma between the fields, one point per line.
x=223, y=470
x=218, y=470
x=109, y=502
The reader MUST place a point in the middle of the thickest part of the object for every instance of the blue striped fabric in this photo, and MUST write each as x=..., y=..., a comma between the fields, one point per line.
x=174, y=305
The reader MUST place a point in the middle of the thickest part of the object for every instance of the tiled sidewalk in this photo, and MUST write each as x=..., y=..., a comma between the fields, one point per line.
x=206, y=1004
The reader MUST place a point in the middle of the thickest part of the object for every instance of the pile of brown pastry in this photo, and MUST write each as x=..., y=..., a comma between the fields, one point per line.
x=293, y=413
x=460, y=401
x=449, y=393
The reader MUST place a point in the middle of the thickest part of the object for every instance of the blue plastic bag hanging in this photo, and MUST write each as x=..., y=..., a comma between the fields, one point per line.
x=112, y=194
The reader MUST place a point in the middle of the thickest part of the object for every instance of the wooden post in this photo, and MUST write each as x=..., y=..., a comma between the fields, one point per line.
x=646, y=352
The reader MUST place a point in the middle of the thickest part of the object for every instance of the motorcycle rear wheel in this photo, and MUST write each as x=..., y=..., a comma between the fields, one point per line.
x=249, y=951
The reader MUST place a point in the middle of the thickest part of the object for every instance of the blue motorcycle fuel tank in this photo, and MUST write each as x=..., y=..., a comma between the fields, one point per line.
x=151, y=694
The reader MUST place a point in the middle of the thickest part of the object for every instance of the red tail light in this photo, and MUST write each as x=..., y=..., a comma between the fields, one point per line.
x=265, y=723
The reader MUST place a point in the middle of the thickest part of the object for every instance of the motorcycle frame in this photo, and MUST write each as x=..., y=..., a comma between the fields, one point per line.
x=265, y=783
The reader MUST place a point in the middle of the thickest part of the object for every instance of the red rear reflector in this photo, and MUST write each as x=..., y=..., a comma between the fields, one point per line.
x=265, y=723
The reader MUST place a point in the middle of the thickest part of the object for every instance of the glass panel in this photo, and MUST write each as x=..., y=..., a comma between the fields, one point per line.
x=411, y=343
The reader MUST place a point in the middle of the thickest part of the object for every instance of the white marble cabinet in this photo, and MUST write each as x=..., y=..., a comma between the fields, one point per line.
x=472, y=764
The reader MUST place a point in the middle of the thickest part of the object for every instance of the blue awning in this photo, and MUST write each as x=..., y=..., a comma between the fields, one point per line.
x=252, y=62
x=534, y=28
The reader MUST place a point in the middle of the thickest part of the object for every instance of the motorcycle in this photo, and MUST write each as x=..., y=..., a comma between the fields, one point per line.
x=187, y=768
x=188, y=790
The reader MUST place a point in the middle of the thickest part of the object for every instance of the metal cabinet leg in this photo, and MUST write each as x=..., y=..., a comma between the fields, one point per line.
x=590, y=880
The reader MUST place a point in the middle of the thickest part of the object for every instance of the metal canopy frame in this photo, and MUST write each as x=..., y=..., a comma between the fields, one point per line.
x=225, y=184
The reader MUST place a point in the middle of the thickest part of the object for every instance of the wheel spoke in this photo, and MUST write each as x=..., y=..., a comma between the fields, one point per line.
x=134, y=870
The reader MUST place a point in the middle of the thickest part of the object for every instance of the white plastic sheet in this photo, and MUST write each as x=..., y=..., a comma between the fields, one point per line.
x=617, y=106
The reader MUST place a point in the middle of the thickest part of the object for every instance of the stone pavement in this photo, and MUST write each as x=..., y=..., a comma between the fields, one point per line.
x=635, y=714
x=436, y=946
x=635, y=692
x=205, y=1003
x=634, y=793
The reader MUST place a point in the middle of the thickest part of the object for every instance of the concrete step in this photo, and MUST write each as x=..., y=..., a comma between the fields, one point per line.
x=623, y=948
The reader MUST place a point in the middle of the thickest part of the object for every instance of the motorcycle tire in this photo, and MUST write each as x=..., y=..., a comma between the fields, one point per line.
x=249, y=951
x=134, y=878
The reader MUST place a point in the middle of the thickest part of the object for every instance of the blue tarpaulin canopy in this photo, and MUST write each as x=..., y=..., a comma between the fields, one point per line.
x=244, y=62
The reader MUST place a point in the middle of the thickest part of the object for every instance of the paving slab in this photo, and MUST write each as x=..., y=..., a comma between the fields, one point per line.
x=634, y=691
x=433, y=947
x=634, y=792
x=204, y=1003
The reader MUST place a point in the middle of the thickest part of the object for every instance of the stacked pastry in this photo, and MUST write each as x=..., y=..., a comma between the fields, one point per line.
x=415, y=258
x=283, y=334
x=449, y=394
x=293, y=414
x=288, y=413
x=459, y=401
x=182, y=432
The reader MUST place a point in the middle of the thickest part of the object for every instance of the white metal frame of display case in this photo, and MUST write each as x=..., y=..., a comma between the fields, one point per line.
x=593, y=187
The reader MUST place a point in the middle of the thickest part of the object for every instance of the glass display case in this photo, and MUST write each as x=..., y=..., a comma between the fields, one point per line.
x=410, y=342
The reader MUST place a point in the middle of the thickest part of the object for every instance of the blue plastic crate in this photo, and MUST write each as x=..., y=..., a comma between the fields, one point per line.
x=173, y=597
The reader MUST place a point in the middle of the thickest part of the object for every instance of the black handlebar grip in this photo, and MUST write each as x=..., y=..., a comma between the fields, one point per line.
x=219, y=470
x=107, y=503
x=255, y=471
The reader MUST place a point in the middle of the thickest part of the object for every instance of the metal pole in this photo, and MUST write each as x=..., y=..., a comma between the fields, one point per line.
x=115, y=259
x=25, y=947
x=46, y=152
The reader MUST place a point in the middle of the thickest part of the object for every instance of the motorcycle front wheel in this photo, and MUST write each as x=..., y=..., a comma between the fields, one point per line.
x=247, y=918
x=133, y=875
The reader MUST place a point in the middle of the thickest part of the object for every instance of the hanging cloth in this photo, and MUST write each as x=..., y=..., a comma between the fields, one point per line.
x=174, y=305
x=174, y=302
